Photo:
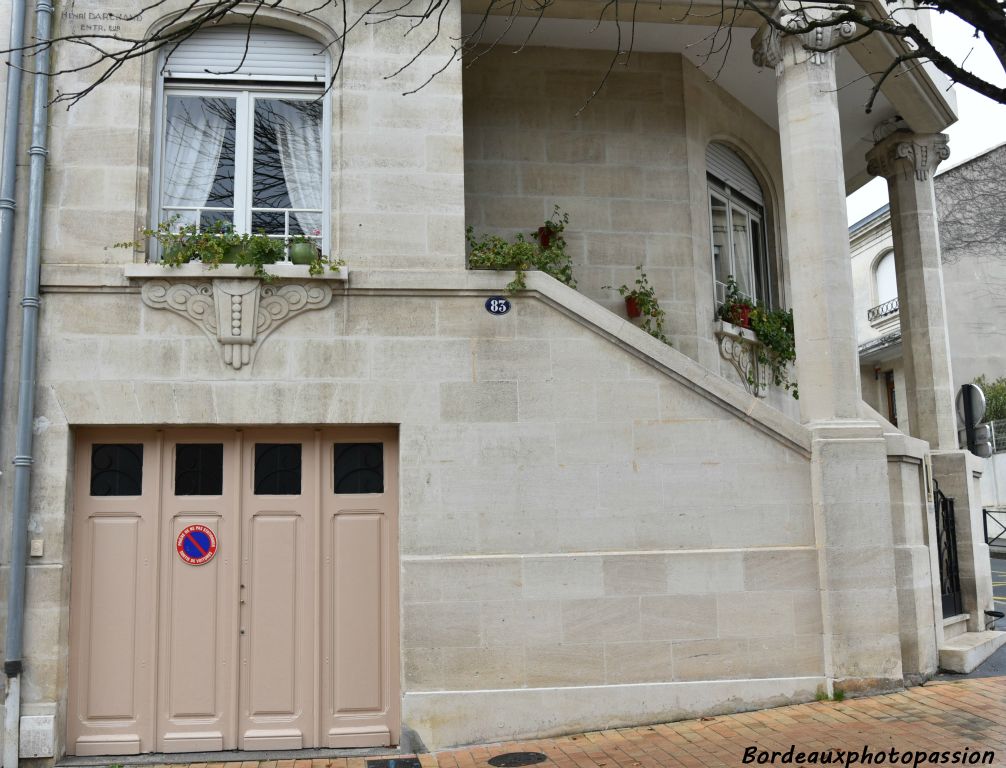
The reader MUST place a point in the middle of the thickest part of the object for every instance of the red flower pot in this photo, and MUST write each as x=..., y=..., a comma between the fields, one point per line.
x=544, y=236
x=632, y=307
x=741, y=315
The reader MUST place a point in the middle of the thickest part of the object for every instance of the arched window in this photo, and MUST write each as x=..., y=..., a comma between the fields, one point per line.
x=241, y=133
x=737, y=222
x=886, y=281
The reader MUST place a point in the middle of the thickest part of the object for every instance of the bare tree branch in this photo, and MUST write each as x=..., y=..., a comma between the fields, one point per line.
x=108, y=53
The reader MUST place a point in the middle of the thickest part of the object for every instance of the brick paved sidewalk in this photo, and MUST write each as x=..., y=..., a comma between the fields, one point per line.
x=938, y=717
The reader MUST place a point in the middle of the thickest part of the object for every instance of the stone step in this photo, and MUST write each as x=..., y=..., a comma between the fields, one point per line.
x=965, y=652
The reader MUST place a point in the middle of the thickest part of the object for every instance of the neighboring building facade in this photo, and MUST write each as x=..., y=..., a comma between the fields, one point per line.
x=431, y=523
x=971, y=207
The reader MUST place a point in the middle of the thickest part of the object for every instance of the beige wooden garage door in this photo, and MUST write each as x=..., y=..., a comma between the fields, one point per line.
x=234, y=589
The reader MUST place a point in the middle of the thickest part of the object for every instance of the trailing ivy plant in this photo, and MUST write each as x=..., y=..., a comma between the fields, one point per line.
x=645, y=296
x=774, y=329
x=544, y=249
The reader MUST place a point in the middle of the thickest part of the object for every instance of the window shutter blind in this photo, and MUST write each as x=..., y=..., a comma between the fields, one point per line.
x=727, y=166
x=272, y=54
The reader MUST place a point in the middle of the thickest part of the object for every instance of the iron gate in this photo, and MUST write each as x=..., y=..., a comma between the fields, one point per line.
x=946, y=541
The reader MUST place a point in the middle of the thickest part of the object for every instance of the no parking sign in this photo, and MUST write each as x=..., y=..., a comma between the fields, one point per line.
x=196, y=544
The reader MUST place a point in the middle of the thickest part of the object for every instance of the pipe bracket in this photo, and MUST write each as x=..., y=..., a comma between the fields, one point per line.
x=23, y=461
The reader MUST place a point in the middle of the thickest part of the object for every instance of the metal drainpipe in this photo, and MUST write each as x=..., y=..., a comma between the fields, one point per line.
x=26, y=390
x=8, y=163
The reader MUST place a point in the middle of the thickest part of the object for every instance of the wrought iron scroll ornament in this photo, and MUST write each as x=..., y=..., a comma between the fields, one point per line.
x=740, y=348
x=236, y=313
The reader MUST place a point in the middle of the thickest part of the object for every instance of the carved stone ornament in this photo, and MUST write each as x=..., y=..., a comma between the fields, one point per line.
x=739, y=346
x=770, y=45
x=237, y=313
x=909, y=154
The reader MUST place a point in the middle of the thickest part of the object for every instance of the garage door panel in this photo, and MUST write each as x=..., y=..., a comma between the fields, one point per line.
x=112, y=618
x=358, y=626
x=193, y=619
x=359, y=587
x=113, y=600
x=286, y=638
x=272, y=615
x=198, y=621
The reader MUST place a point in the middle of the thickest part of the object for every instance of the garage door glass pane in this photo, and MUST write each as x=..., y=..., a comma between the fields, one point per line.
x=277, y=469
x=359, y=468
x=199, y=469
x=116, y=469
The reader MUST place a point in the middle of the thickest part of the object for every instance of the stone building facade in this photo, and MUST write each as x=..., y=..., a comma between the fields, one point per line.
x=427, y=523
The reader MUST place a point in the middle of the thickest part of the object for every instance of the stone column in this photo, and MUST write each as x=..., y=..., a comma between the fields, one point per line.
x=907, y=160
x=849, y=479
x=817, y=232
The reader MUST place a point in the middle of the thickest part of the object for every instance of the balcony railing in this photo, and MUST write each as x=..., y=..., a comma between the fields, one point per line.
x=882, y=310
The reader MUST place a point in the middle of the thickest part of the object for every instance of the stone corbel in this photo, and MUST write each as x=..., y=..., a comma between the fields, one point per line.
x=740, y=347
x=237, y=313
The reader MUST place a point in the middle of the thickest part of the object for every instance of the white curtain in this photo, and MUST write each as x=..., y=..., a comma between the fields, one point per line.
x=298, y=136
x=192, y=146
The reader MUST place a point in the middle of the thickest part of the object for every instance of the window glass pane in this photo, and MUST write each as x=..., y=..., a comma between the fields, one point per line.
x=743, y=264
x=287, y=162
x=721, y=245
x=198, y=165
x=269, y=222
x=116, y=469
x=760, y=262
x=277, y=469
x=199, y=469
x=211, y=217
x=359, y=468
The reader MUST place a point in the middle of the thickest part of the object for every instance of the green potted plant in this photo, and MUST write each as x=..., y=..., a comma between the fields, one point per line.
x=641, y=301
x=545, y=251
x=212, y=245
x=303, y=249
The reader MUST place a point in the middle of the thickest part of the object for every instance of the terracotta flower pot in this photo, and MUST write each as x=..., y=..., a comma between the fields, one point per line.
x=632, y=308
x=544, y=236
x=741, y=315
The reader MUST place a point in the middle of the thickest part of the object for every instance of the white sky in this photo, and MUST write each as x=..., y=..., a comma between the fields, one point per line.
x=982, y=123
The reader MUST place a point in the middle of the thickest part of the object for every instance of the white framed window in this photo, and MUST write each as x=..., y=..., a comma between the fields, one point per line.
x=737, y=224
x=885, y=279
x=242, y=121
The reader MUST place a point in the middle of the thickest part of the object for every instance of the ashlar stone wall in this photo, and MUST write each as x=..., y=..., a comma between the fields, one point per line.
x=397, y=181
x=628, y=167
x=574, y=513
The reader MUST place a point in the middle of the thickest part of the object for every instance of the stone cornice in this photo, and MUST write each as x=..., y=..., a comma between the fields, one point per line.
x=909, y=154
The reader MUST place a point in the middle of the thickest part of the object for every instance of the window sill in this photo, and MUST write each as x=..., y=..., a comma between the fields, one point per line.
x=228, y=271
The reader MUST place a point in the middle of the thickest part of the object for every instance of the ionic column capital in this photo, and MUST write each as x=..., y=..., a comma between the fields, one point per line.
x=793, y=39
x=908, y=154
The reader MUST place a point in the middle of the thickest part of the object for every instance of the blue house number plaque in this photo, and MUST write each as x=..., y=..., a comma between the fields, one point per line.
x=497, y=305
